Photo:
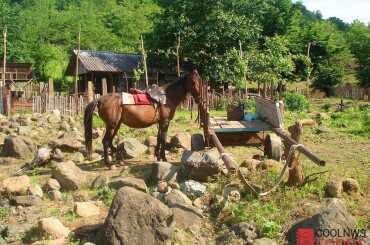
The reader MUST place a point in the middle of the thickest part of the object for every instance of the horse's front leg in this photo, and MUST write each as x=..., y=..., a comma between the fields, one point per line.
x=107, y=143
x=162, y=154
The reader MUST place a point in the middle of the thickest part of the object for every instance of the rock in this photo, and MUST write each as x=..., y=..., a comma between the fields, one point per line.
x=69, y=176
x=80, y=196
x=68, y=145
x=25, y=201
x=181, y=140
x=15, y=185
x=137, y=218
x=150, y=141
x=197, y=142
x=162, y=186
x=232, y=192
x=245, y=231
x=119, y=182
x=54, y=118
x=250, y=164
x=72, y=135
x=200, y=166
x=18, y=147
x=131, y=148
x=193, y=188
x=78, y=157
x=185, y=216
x=8, y=160
x=24, y=130
x=52, y=227
x=164, y=171
x=264, y=241
x=269, y=164
x=35, y=190
x=101, y=181
x=97, y=133
x=64, y=126
x=330, y=218
x=55, y=195
x=177, y=197
x=322, y=129
x=338, y=186
x=86, y=209
x=198, y=203
x=51, y=184
x=174, y=185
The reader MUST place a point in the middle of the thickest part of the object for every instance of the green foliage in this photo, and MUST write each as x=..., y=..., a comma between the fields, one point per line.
x=326, y=107
x=354, y=121
x=106, y=195
x=295, y=102
x=4, y=212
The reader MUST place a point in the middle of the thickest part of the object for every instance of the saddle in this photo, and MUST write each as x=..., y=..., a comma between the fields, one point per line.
x=155, y=93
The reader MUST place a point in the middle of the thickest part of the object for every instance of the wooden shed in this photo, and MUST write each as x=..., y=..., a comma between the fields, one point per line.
x=113, y=69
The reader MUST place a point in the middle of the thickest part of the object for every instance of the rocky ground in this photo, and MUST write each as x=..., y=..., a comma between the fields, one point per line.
x=191, y=199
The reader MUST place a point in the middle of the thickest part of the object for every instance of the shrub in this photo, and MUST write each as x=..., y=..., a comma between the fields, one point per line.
x=295, y=102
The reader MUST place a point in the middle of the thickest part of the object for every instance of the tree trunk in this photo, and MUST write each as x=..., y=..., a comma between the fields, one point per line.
x=264, y=95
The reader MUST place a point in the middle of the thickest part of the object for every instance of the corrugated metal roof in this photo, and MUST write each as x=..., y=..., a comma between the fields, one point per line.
x=108, y=62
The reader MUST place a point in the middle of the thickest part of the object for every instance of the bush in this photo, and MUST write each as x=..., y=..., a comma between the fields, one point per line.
x=295, y=102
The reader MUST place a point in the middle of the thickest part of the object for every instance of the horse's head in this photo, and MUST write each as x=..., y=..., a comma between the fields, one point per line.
x=193, y=83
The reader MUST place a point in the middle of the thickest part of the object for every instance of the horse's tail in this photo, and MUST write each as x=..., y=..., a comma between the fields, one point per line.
x=89, y=110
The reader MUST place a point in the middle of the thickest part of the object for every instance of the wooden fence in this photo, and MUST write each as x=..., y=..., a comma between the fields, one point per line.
x=351, y=92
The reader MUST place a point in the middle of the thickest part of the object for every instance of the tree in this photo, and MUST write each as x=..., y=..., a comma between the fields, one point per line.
x=329, y=55
x=210, y=32
x=358, y=37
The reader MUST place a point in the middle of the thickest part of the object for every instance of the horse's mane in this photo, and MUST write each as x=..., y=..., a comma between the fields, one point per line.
x=178, y=81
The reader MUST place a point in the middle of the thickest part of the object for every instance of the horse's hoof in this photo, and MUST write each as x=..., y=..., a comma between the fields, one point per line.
x=121, y=163
x=112, y=167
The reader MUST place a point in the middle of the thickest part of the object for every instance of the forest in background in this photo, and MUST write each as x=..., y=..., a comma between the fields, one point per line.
x=231, y=40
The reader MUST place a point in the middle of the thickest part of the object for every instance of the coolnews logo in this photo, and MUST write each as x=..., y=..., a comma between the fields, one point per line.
x=331, y=237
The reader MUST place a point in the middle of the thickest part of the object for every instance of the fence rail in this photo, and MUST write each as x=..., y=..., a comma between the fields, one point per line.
x=351, y=92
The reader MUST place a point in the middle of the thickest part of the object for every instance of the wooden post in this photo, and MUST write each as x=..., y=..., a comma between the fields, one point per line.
x=144, y=59
x=51, y=88
x=41, y=87
x=90, y=92
x=76, y=71
x=178, y=56
x=308, y=76
x=104, y=86
x=4, y=62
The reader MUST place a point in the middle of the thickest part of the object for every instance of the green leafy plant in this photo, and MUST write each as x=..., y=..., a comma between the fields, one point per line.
x=4, y=212
x=295, y=102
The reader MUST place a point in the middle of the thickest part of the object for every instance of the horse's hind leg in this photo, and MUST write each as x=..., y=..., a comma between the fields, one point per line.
x=162, y=154
x=107, y=143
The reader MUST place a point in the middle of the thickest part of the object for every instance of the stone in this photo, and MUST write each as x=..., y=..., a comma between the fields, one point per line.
x=164, y=171
x=68, y=145
x=200, y=166
x=25, y=201
x=17, y=147
x=131, y=148
x=97, y=133
x=264, y=241
x=80, y=196
x=54, y=118
x=269, y=164
x=185, y=216
x=336, y=187
x=137, y=218
x=244, y=230
x=52, y=227
x=86, y=209
x=55, y=195
x=177, y=197
x=232, y=192
x=181, y=140
x=64, y=126
x=323, y=129
x=193, y=188
x=35, y=190
x=150, y=141
x=8, y=160
x=15, y=185
x=101, y=181
x=78, y=157
x=330, y=217
x=51, y=184
x=69, y=176
x=197, y=142
x=162, y=186
x=24, y=130
x=136, y=183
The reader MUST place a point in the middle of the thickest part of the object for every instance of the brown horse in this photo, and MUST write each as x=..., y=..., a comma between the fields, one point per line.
x=114, y=113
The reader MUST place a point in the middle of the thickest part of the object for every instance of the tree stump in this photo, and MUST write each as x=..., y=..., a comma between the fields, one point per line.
x=296, y=177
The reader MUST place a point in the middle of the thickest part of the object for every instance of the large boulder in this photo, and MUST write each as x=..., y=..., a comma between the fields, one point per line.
x=119, y=182
x=137, y=218
x=164, y=171
x=18, y=147
x=185, y=216
x=181, y=140
x=201, y=165
x=69, y=176
x=15, y=185
x=334, y=217
x=52, y=227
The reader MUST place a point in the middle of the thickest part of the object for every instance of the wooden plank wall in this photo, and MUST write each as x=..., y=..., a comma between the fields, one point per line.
x=269, y=111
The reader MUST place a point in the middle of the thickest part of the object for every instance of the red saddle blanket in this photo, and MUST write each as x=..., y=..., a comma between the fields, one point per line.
x=142, y=99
